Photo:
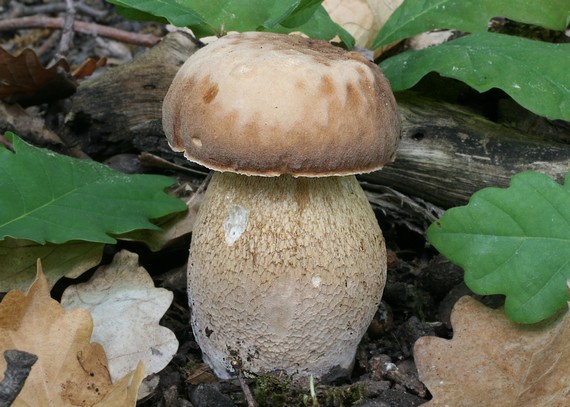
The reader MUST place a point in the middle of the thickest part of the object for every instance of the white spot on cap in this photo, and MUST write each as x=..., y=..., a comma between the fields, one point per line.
x=235, y=223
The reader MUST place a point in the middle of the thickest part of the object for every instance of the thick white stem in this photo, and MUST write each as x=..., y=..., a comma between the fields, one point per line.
x=284, y=273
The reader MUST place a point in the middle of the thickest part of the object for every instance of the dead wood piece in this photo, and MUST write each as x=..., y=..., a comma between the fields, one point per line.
x=18, y=366
x=109, y=112
x=447, y=153
x=410, y=212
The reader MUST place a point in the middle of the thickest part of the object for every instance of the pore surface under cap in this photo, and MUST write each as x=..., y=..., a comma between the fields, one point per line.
x=271, y=104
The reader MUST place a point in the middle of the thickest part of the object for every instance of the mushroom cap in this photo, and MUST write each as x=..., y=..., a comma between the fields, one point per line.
x=271, y=104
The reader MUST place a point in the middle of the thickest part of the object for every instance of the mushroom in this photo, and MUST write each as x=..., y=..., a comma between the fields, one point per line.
x=287, y=262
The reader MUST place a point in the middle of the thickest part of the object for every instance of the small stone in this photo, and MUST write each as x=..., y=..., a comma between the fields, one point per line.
x=374, y=403
x=209, y=395
x=373, y=388
x=383, y=322
x=376, y=364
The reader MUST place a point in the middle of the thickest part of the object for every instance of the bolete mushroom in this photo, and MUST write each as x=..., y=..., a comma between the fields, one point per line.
x=287, y=261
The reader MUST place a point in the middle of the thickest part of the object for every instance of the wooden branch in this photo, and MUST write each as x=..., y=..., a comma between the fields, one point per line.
x=59, y=7
x=145, y=40
x=447, y=153
x=122, y=107
x=66, y=31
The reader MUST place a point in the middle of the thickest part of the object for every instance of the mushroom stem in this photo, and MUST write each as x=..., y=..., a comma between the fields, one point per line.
x=285, y=273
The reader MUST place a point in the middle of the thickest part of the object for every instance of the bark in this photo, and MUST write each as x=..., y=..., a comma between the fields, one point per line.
x=447, y=153
x=114, y=111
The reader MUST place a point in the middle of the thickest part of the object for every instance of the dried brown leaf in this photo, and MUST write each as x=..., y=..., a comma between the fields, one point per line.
x=70, y=370
x=87, y=67
x=24, y=80
x=492, y=361
x=27, y=124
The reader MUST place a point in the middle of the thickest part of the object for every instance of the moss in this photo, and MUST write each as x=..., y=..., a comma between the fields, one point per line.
x=276, y=390
x=343, y=396
x=279, y=390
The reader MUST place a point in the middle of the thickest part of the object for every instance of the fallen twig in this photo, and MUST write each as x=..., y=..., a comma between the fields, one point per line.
x=236, y=364
x=146, y=40
x=59, y=7
x=67, y=30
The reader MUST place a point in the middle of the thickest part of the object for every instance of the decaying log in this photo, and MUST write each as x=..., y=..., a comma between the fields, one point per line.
x=109, y=111
x=447, y=153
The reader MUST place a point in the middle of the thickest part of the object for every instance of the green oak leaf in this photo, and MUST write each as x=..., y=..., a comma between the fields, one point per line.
x=206, y=17
x=513, y=241
x=298, y=13
x=535, y=74
x=418, y=16
x=164, y=11
x=47, y=197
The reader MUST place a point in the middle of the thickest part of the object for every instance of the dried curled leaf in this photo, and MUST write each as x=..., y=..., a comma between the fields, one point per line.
x=492, y=361
x=70, y=370
x=24, y=80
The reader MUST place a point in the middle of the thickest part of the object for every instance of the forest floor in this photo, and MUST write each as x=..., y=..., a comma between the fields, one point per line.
x=419, y=295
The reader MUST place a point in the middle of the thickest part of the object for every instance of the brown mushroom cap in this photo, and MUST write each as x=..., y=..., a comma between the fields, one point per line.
x=271, y=104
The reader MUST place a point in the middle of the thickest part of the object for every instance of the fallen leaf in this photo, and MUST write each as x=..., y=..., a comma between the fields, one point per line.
x=206, y=18
x=415, y=17
x=55, y=198
x=513, y=241
x=530, y=71
x=126, y=309
x=18, y=260
x=32, y=127
x=172, y=227
x=492, y=361
x=125, y=390
x=24, y=80
x=70, y=371
x=87, y=67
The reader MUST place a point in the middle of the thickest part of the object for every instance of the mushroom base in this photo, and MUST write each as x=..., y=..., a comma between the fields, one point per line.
x=284, y=273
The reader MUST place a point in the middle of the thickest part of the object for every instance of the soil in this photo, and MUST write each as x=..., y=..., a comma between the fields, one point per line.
x=420, y=291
